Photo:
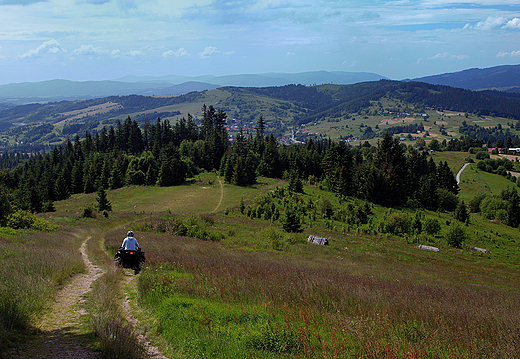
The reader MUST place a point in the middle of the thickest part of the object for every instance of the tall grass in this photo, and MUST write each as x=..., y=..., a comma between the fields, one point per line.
x=32, y=266
x=117, y=339
x=211, y=301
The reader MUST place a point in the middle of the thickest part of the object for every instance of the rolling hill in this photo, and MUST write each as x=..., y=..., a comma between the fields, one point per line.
x=361, y=111
x=501, y=78
x=58, y=90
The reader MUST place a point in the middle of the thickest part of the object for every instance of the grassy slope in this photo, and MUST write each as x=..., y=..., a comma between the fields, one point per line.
x=377, y=283
x=381, y=264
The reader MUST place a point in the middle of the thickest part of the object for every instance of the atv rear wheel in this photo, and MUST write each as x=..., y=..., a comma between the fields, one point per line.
x=118, y=262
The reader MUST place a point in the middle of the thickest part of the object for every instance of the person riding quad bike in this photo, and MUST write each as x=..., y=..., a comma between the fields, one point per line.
x=129, y=255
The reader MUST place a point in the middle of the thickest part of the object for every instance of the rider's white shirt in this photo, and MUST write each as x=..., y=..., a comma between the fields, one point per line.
x=130, y=243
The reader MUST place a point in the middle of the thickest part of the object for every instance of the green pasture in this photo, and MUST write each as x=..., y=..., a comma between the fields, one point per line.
x=205, y=193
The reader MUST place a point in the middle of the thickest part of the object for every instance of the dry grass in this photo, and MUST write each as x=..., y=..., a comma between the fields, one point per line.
x=32, y=266
x=384, y=311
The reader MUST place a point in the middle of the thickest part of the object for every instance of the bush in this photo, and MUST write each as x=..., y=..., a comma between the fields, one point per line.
x=291, y=221
x=482, y=155
x=25, y=220
x=275, y=237
x=475, y=202
x=88, y=211
x=447, y=200
x=456, y=236
x=461, y=212
x=325, y=207
x=398, y=224
x=432, y=226
x=491, y=207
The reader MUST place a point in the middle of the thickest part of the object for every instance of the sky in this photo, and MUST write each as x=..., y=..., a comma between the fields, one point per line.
x=106, y=39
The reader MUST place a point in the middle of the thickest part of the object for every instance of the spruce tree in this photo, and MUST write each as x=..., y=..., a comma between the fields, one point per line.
x=102, y=200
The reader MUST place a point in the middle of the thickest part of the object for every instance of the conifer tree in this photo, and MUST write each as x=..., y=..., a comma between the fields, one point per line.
x=102, y=200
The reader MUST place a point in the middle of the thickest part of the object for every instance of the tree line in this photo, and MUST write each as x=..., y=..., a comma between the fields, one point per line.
x=165, y=155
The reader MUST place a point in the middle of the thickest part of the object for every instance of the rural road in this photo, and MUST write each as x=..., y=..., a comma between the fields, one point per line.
x=460, y=171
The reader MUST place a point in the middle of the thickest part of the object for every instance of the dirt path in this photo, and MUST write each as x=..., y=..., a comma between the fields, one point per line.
x=460, y=172
x=61, y=325
x=221, y=195
x=151, y=351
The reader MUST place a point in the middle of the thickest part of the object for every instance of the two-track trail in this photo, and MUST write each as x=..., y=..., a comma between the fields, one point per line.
x=61, y=326
x=151, y=350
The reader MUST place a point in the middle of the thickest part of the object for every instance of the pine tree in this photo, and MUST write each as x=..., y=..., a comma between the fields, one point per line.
x=291, y=221
x=102, y=200
x=461, y=212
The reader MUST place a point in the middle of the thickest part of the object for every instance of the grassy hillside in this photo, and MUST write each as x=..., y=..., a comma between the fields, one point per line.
x=249, y=289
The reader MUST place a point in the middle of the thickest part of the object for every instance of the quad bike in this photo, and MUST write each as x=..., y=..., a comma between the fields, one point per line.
x=132, y=259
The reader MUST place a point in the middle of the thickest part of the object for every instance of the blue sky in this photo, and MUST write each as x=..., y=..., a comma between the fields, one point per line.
x=106, y=39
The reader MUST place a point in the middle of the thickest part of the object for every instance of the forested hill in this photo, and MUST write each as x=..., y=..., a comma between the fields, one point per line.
x=377, y=103
x=504, y=78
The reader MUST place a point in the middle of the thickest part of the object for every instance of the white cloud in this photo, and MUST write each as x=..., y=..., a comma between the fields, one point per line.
x=135, y=53
x=178, y=53
x=90, y=50
x=48, y=47
x=513, y=23
x=209, y=51
x=115, y=52
x=447, y=55
x=229, y=52
x=350, y=64
x=496, y=22
x=491, y=23
x=512, y=54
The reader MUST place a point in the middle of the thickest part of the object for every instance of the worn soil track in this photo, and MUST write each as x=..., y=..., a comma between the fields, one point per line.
x=61, y=325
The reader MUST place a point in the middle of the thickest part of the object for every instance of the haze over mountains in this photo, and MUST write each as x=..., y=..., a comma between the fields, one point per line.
x=55, y=90
x=502, y=78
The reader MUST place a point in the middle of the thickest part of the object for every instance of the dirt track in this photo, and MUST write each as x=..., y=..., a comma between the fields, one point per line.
x=61, y=325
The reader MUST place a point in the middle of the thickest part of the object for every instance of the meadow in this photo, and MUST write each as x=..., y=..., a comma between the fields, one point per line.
x=234, y=284
x=33, y=265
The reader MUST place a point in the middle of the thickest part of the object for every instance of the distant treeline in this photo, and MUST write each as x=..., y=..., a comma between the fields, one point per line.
x=493, y=137
x=165, y=155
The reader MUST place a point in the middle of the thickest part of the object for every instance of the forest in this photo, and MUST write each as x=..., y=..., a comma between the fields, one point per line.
x=161, y=154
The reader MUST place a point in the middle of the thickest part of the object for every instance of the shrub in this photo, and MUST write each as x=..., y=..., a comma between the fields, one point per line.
x=482, y=155
x=461, y=212
x=447, y=200
x=475, y=202
x=491, y=206
x=25, y=220
x=291, y=221
x=432, y=226
x=88, y=211
x=325, y=207
x=456, y=236
x=398, y=224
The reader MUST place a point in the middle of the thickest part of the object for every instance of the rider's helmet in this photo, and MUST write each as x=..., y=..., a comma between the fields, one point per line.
x=130, y=234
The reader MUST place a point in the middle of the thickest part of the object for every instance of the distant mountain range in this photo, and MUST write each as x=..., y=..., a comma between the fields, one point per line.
x=57, y=90
x=502, y=78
